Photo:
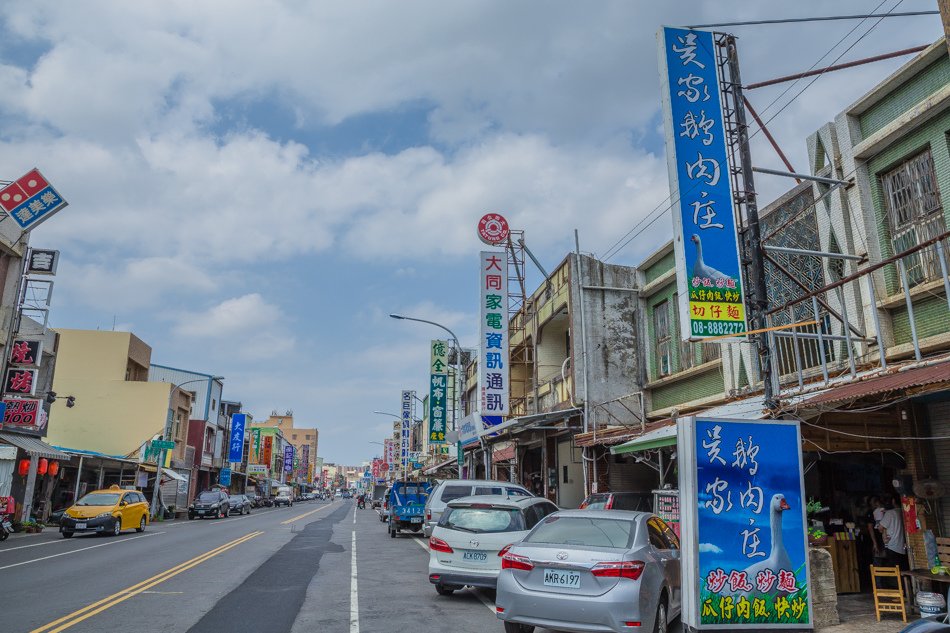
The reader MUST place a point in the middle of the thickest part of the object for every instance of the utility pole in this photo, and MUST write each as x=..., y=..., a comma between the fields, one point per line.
x=758, y=301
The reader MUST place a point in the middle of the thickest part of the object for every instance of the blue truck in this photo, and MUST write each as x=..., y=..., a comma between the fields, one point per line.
x=407, y=502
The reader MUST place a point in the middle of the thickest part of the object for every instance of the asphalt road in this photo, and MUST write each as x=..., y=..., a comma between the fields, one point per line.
x=287, y=570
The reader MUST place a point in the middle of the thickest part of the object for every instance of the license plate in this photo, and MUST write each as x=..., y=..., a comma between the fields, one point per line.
x=80, y=526
x=475, y=556
x=8, y=525
x=559, y=578
x=416, y=520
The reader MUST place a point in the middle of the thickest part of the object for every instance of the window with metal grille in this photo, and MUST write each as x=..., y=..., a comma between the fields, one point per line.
x=661, y=329
x=914, y=213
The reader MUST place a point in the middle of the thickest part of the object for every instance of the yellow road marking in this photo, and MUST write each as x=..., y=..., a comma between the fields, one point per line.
x=306, y=514
x=99, y=606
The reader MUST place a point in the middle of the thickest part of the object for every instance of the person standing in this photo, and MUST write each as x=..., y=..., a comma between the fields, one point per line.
x=892, y=529
x=873, y=522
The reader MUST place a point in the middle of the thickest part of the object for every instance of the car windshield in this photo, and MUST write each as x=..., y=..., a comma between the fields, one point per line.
x=562, y=530
x=99, y=499
x=597, y=501
x=236, y=498
x=480, y=520
x=208, y=496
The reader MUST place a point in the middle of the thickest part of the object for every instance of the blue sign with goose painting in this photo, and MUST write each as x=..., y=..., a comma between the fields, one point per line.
x=705, y=241
x=743, y=525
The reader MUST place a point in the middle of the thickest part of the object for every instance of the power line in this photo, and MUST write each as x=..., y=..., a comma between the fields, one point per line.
x=823, y=18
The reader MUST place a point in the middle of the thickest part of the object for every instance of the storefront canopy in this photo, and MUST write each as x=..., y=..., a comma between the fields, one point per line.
x=663, y=436
x=33, y=446
x=449, y=463
x=927, y=378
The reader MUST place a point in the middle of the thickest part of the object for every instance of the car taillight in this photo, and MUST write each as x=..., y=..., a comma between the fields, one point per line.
x=516, y=561
x=438, y=545
x=610, y=503
x=583, y=505
x=624, y=569
x=428, y=516
x=504, y=550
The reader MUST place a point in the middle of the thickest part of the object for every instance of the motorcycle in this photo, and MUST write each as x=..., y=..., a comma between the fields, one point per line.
x=361, y=503
x=6, y=527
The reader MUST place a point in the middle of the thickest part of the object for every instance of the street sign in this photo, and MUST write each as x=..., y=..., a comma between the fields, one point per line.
x=224, y=477
x=31, y=200
x=493, y=229
x=163, y=445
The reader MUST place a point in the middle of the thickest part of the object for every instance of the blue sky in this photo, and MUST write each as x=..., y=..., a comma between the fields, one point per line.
x=254, y=187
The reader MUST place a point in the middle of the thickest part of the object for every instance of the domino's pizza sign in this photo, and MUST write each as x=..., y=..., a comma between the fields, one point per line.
x=30, y=200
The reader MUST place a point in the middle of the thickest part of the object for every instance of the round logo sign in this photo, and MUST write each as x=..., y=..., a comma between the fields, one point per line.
x=493, y=228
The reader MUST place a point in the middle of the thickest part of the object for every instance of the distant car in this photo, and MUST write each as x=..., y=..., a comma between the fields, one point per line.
x=210, y=503
x=474, y=532
x=591, y=570
x=347, y=494
x=636, y=501
x=450, y=489
x=338, y=495
x=106, y=512
x=240, y=504
x=285, y=497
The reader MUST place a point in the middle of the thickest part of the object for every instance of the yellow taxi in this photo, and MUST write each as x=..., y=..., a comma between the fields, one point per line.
x=106, y=512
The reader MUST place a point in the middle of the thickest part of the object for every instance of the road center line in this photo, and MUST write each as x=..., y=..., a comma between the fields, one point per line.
x=306, y=514
x=354, y=597
x=81, y=549
x=478, y=594
x=99, y=606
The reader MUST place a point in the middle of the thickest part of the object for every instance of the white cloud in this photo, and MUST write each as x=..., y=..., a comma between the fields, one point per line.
x=709, y=548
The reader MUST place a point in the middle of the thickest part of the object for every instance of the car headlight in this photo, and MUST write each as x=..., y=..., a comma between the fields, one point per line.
x=215, y=505
x=104, y=514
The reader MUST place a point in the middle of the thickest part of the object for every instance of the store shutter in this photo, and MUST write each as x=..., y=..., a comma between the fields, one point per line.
x=939, y=416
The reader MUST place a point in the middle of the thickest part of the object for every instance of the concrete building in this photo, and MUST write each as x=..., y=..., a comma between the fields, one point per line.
x=305, y=441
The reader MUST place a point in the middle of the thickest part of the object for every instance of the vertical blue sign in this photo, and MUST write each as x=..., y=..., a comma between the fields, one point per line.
x=236, y=450
x=224, y=477
x=745, y=558
x=705, y=241
x=288, y=458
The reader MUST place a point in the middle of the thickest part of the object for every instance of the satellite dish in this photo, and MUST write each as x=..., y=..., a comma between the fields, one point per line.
x=929, y=489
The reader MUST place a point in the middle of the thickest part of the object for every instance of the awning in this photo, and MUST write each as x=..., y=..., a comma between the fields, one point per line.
x=525, y=422
x=663, y=436
x=936, y=376
x=33, y=446
x=452, y=461
x=150, y=468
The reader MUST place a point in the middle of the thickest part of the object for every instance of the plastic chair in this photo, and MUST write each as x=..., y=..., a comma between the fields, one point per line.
x=888, y=600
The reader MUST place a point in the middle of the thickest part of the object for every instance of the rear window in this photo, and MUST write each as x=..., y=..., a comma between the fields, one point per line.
x=482, y=520
x=518, y=492
x=455, y=492
x=563, y=530
x=488, y=490
x=597, y=501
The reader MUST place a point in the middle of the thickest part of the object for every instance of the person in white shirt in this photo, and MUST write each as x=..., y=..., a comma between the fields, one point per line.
x=891, y=526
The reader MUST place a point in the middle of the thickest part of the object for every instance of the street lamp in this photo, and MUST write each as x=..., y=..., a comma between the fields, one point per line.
x=165, y=434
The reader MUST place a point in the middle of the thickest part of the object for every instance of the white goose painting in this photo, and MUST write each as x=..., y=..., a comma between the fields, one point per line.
x=778, y=558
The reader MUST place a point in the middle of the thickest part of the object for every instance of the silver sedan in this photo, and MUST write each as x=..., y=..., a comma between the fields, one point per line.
x=592, y=570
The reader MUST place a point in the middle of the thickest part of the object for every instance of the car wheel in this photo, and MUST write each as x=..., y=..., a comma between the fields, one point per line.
x=442, y=590
x=511, y=627
x=392, y=531
x=660, y=625
x=67, y=534
x=141, y=527
x=116, y=527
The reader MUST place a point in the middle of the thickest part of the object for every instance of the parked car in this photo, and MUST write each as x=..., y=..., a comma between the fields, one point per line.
x=210, y=503
x=407, y=500
x=474, y=532
x=285, y=497
x=106, y=512
x=450, y=489
x=636, y=501
x=240, y=504
x=591, y=570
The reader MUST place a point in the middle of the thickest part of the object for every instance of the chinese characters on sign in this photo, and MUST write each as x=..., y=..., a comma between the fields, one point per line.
x=743, y=524
x=23, y=414
x=236, y=450
x=268, y=451
x=30, y=200
x=708, y=272
x=42, y=261
x=408, y=406
x=438, y=390
x=493, y=333
x=288, y=458
x=25, y=353
x=20, y=381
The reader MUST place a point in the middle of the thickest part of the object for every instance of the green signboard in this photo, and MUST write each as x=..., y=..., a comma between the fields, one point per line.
x=438, y=388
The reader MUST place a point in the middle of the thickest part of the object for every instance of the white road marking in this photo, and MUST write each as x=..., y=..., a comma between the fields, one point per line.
x=354, y=598
x=478, y=594
x=10, y=549
x=82, y=549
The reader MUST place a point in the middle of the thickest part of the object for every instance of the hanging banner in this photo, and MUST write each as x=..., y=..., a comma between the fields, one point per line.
x=407, y=407
x=236, y=451
x=493, y=333
x=438, y=390
x=744, y=541
x=708, y=270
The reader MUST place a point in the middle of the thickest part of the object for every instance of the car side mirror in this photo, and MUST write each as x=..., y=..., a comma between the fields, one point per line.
x=124, y=503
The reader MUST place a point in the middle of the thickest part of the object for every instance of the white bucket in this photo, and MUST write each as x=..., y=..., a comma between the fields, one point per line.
x=931, y=603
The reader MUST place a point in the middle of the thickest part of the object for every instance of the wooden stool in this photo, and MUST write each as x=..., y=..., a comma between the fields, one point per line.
x=888, y=600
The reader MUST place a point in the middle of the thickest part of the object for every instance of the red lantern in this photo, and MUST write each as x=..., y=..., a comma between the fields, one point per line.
x=24, y=468
x=41, y=466
x=53, y=469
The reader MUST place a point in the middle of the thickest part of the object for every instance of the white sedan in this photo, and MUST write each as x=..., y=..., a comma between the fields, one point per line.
x=467, y=544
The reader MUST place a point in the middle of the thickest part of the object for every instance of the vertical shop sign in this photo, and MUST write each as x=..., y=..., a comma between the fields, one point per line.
x=708, y=270
x=305, y=460
x=493, y=333
x=406, y=428
x=268, y=451
x=438, y=390
x=255, y=447
x=744, y=542
x=288, y=458
x=236, y=450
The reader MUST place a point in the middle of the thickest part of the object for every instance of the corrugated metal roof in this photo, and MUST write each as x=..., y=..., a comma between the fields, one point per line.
x=33, y=446
x=917, y=377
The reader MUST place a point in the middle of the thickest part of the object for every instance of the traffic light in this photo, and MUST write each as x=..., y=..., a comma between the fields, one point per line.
x=70, y=401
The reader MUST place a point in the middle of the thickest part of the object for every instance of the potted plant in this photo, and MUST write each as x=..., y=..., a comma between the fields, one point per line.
x=816, y=535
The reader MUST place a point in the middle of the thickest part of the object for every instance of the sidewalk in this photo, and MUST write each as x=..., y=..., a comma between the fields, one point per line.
x=857, y=615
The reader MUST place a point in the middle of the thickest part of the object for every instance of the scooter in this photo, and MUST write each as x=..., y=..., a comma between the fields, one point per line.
x=6, y=527
x=361, y=503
